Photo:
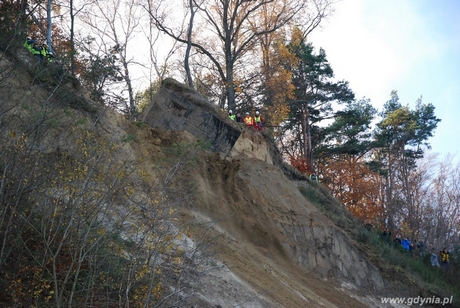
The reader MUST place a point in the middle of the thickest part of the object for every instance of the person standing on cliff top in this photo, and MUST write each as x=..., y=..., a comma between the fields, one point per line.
x=231, y=116
x=238, y=118
x=258, y=121
x=248, y=120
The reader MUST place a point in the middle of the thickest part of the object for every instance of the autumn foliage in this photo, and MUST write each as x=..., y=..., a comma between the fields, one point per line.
x=356, y=186
x=301, y=164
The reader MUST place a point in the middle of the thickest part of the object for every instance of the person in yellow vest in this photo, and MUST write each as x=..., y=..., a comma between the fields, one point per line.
x=248, y=120
x=258, y=121
x=231, y=116
x=32, y=46
x=445, y=258
x=45, y=53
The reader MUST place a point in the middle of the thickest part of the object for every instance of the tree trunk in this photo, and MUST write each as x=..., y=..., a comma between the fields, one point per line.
x=306, y=135
x=50, y=25
x=72, y=39
x=189, y=46
x=132, y=103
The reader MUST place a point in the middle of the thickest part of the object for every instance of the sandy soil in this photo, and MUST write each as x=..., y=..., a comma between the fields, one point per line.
x=245, y=200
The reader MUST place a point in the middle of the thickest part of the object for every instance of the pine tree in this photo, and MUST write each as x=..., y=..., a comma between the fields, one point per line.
x=315, y=93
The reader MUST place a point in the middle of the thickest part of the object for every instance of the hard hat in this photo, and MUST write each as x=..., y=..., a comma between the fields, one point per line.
x=29, y=38
x=230, y=111
x=247, y=113
x=257, y=112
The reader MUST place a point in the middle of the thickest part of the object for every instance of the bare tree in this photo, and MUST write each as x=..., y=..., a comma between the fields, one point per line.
x=189, y=43
x=73, y=11
x=49, y=25
x=160, y=55
x=228, y=31
x=115, y=23
x=440, y=222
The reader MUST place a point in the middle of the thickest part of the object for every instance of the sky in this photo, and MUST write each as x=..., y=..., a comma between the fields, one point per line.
x=411, y=46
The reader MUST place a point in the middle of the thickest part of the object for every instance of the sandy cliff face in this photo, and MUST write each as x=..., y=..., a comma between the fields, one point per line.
x=273, y=248
x=276, y=249
x=271, y=238
x=252, y=144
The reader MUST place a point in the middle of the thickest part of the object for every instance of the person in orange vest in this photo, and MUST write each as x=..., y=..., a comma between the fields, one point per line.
x=258, y=121
x=248, y=120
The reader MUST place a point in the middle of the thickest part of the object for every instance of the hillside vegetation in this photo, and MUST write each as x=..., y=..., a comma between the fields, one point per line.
x=99, y=211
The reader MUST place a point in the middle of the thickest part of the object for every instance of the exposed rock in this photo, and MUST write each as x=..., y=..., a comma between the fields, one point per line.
x=252, y=144
x=176, y=107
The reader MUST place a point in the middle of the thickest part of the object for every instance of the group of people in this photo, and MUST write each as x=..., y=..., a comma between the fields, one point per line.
x=437, y=260
x=40, y=50
x=255, y=122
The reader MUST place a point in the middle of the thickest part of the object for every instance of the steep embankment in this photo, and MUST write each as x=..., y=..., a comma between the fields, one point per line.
x=272, y=248
x=275, y=241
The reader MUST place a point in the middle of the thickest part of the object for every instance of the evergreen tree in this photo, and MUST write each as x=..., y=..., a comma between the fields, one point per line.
x=314, y=95
x=350, y=133
x=399, y=137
